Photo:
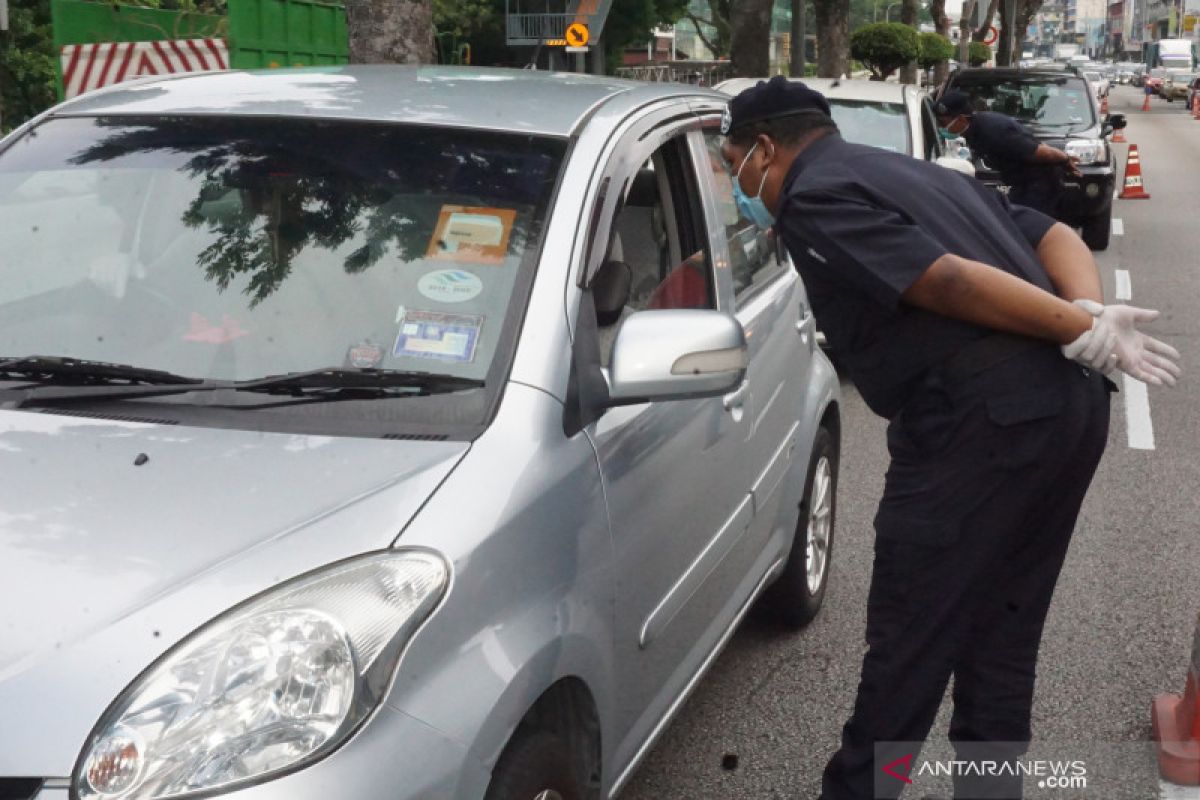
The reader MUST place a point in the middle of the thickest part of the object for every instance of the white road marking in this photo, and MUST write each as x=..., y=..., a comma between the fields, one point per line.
x=1124, y=285
x=1140, y=430
x=1118, y=226
x=1172, y=791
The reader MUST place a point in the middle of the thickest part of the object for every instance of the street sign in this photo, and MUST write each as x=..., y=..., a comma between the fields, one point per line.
x=992, y=36
x=577, y=34
x=576, y=49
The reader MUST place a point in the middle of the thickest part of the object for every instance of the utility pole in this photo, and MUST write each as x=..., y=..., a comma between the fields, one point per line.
x=3, y=15
x=798, y=35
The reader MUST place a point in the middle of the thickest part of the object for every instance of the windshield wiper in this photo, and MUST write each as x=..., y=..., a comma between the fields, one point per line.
x=330, y=383
x=47, y=369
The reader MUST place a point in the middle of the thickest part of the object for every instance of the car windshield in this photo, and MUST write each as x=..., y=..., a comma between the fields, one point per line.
x=234, y=248
x=882, y=125
x=1043, y=102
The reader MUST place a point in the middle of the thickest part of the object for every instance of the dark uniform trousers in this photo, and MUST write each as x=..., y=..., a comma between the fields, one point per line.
x=1041, y=194
x=987, y=476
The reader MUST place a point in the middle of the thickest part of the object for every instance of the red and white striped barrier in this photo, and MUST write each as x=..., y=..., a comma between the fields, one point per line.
x=90, y=66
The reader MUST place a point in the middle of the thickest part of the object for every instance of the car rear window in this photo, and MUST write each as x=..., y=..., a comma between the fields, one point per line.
x=883, y=125
x=1043, y=102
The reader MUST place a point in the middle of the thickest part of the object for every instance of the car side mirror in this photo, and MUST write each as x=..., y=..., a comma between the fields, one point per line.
x=676, y=354
x=1116, y=121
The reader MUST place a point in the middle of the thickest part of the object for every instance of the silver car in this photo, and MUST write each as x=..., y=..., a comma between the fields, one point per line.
x=897, y=117
x=388, y=432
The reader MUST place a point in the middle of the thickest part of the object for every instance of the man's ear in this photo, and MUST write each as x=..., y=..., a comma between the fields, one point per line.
x=766, y=147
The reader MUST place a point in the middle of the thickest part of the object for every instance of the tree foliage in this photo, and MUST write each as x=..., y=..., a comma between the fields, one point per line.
x=26, y=63
x=978, y=54
x=935, y=49
x=884, y=47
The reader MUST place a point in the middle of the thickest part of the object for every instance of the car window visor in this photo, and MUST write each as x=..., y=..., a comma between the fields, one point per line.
x=330, y=383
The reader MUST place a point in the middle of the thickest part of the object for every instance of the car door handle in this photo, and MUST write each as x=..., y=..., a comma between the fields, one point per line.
x=736, y=399
x=802, y=326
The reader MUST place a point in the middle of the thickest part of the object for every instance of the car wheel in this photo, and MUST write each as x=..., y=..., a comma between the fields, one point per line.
x=796, y=595
x=535, y=765
x=1096, y=230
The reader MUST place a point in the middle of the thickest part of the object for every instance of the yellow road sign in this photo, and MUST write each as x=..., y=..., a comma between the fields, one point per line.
x=577, y=34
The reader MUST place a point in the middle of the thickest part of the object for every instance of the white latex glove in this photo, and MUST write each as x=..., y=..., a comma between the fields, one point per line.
x=1094, y=348
x=1136, y=354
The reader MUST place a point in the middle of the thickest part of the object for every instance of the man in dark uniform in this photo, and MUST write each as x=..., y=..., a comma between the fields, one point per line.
x=977, y=328
x=1034, y=170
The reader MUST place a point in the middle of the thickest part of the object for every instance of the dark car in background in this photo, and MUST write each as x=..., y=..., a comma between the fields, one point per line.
x=1059, y=108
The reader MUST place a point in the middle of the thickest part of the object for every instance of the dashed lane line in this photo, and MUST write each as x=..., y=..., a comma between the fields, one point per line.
x=1124, y=290
x=1118, y=226
x=1139, y=428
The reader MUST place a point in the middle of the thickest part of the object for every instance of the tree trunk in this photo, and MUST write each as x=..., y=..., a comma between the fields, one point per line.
x=908, y=15
x=750, y=47
x=1025, y=11
x=941, y=25
x=796, y=57
x=982, y=31
x=390, y=31
x=833, y=37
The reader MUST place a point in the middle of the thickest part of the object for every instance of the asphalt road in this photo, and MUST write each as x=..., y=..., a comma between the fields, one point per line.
x=769, y=713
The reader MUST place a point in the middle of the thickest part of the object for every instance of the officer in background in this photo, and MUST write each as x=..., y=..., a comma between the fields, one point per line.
x=1034, y=170
x=978, y=329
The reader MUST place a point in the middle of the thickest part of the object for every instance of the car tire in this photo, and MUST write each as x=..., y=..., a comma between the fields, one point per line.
x=797, y=594
x=1096, y=230
x=535, y=765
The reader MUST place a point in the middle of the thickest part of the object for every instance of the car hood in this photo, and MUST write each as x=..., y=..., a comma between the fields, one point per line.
x=118, y=539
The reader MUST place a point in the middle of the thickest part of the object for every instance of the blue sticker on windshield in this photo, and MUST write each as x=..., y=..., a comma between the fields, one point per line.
x=438, y=336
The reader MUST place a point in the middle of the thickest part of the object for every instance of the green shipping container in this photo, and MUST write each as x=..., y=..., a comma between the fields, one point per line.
x=82, y=22
x=286, y=33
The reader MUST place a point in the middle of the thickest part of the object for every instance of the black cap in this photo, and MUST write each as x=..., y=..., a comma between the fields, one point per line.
x=953, y=103
x=778, y=97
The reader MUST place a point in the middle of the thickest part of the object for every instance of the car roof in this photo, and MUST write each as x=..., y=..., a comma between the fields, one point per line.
x=1010, y=73
x=530, y=101
x=834, y=89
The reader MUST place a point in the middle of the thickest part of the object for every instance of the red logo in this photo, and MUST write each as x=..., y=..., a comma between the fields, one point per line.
x=907, y=762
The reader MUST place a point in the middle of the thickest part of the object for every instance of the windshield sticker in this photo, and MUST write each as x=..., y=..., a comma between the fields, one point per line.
x=472, y=234
x=365, y=355
x=201, y=330
x=442, y=337
x=450, y=286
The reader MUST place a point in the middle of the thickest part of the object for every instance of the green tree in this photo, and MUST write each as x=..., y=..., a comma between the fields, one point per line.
x=978, y=54
x=632, y=22
x=935, y=49
x=832, y=19
x=884, y=47
x=26, y=63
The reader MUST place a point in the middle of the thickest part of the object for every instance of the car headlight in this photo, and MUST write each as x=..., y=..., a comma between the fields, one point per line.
x=1088, y=151
x=268, y=687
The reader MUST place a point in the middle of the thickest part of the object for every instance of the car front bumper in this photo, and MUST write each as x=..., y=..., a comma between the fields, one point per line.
x=1089, y=195
x=394, y=756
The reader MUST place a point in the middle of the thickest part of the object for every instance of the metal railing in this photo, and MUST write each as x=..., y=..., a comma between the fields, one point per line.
x=531, y=28
x=698, y=73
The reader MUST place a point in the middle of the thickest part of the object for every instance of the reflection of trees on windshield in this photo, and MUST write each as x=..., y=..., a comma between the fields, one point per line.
x=270, y=189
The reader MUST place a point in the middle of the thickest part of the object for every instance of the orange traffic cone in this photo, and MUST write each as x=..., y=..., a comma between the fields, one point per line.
x=1146, y=102
x=1176, y=725
x=1196, y=106
x=1134, y=190
x=1118, y=137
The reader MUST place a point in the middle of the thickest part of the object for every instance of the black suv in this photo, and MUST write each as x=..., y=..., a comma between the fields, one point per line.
x=1059, y=109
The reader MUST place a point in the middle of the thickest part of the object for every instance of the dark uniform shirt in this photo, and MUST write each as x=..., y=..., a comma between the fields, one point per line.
x=1008, y=147
x=863, y=224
